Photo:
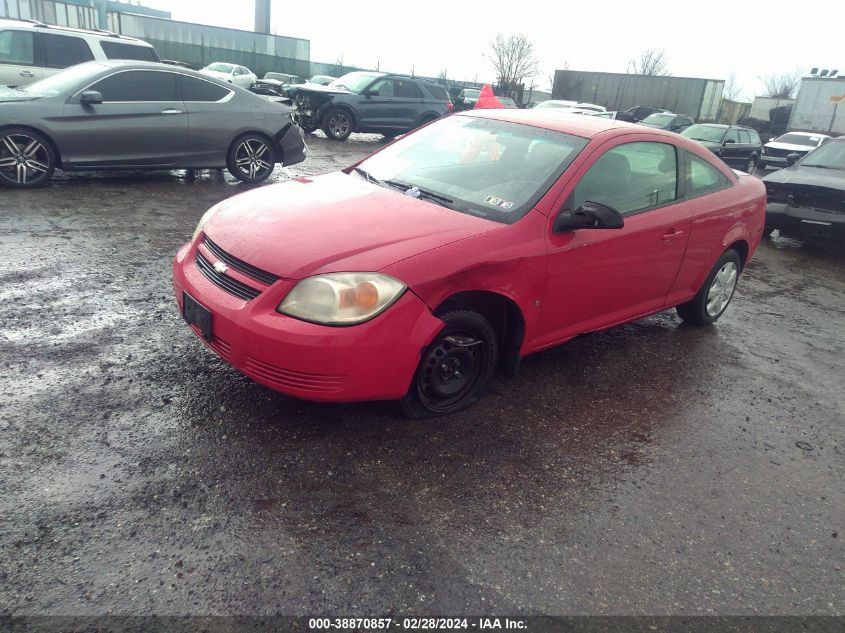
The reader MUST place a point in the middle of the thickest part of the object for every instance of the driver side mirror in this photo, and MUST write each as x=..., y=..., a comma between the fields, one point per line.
x=90, y=97
x=590, y=215
x=728, y=141
x=791, y=159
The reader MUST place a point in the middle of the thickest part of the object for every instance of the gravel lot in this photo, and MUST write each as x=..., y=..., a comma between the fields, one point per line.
x=654, y=468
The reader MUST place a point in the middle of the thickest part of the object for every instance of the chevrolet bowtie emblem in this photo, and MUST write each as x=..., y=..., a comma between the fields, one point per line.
x=220, y=267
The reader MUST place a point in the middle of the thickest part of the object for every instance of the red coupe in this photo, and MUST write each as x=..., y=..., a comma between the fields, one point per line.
x=461, y=248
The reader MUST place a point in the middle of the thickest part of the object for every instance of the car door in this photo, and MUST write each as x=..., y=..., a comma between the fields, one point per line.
x=141, y=122
x=732, y=150
x=410, y=102
x=17, y=58
x=600, y=277
x=242, y=77
x=378, y=107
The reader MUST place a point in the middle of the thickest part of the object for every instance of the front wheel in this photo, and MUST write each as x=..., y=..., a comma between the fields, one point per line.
x=338, y=124
x=26, y=158
x=251, y=158
x=455, y=369
x=750, y=165
x=716, y=292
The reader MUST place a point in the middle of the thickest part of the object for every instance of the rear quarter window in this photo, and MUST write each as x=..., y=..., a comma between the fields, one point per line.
x=198, y=90
x=122, y=50
x=62, y=51
x=703, y=178
x=437, y=92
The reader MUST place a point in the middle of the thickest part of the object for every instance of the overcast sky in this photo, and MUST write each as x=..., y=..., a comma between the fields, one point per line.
x=700, y=39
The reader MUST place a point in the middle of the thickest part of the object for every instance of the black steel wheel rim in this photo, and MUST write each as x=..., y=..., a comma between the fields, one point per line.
x=252, y=159
x=24, y=160
x=451, y=370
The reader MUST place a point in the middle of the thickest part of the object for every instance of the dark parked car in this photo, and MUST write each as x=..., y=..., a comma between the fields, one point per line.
x=637, y=113
x=370, y=102
x=467, y=98
x=807, y=198
x=668, y=121
x=738, y=146
x=138, y=115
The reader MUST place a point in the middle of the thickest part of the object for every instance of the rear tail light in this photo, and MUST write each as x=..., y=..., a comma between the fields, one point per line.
x=450, y=106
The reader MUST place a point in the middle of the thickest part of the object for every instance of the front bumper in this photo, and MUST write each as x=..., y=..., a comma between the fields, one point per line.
x=375, y=360
x=805, y=221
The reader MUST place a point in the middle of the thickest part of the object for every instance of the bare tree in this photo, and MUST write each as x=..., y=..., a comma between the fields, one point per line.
x=732, y=90
x=513, y=58
x=650, y=62
x=442, y=75
x=781, y=86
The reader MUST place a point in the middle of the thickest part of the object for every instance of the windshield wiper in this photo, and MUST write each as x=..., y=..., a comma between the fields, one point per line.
x=405, y=187
x=367, y=175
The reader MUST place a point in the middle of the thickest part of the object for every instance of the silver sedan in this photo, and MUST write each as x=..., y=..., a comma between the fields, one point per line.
x=138, y=115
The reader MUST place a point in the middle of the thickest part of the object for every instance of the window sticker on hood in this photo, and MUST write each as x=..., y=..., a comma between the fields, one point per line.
x=498, y=202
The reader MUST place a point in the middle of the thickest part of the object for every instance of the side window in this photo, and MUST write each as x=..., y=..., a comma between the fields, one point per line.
x=138, y=85
x=61, y=51
x=240, y=71
x=408, y=89
x=121, y=50
x=631, y=177
x=437, y=92
x=383, y=88
x=198, y=90
x=703, y=178
x=733, y=135
x=17, y=47
x=755, y=138
x=744, y=137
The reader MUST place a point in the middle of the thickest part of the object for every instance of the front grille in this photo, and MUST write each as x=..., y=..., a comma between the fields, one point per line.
x=230, y=285
x=782, y=153
x=293, y=379
x=819, y=198
x=241, y=266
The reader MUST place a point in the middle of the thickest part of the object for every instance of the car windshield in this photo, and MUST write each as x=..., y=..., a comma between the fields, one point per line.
x=64, y=82
x=507, y=101
x=658, y=119
x=484, y=167
x=472, y=93
x=276, y=76
x=321, y=79
x=354, y=82
x=831, y=155
x=798, y=139
x=707, y=133
x=221, y=68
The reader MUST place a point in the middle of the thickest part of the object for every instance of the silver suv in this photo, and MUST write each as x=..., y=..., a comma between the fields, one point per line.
x=30, y=50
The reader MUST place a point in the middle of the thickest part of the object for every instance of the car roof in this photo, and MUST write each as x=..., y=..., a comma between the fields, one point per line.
x=560, y=121
x=806, y=134
x=6, y=23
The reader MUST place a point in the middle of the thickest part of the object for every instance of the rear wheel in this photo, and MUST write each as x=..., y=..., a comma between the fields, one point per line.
x=338, y=124
x=251, y=158
x=716, y=292
x=750, y=165
x=455, y=369
x=26, y=158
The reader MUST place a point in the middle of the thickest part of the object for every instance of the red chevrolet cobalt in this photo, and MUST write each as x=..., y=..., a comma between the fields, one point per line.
x=461, y=248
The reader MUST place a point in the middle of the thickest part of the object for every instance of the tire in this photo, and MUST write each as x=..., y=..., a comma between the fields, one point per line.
x=751, y=165
x=338, y=124
x=716, y=293
x=455, y=369
x=251, y=158
x=27, y=159
x=761, y=164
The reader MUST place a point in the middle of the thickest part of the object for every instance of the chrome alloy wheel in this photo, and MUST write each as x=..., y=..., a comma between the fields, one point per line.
x=23, y=159
x=721, y=289
x=339, y=124
x=253, y=159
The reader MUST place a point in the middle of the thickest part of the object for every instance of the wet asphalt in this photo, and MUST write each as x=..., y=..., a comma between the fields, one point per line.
x=651, y=469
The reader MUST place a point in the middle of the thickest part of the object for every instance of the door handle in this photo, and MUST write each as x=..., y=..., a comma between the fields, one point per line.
x=171, y=111
x=672, y=234
x=27, y=73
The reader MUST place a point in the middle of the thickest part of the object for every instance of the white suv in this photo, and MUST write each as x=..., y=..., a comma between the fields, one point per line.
x=30, y=51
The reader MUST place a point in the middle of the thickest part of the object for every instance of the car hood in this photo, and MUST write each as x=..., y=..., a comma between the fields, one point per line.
x=789, y=146
x=801, y=175
x=322, y=89
x=658, y=126
x=333, y=223
x=271, y=82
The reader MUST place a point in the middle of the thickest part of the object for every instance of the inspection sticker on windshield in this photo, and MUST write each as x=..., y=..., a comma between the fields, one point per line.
x=498, y=202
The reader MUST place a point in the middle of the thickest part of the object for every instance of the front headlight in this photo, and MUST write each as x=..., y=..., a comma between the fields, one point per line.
x=203, y=220
x=341, y=298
